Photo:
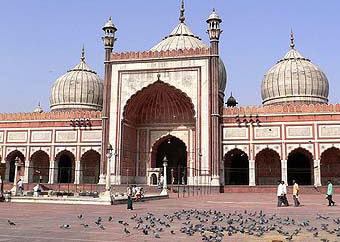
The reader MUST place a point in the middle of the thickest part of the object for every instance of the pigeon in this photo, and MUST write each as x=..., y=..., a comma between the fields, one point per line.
x=10, y=222
x=145, y=232
x=101, y=227
x=316, y=234
x=84, y=225
x=156, y=235
x=172, y=232
x=65, y=226
x=126, y=231
x=80, y=216
x=109, y=219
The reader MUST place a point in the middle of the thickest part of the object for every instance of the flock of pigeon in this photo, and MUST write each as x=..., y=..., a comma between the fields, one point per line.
x=214, y=226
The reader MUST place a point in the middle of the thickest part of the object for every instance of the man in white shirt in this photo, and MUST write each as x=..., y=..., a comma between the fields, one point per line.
x=20, y=186
x=279, y=194
x=36, y=190
x=284, y=194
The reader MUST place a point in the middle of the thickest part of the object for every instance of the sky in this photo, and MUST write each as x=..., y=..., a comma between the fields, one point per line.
x=40, y=40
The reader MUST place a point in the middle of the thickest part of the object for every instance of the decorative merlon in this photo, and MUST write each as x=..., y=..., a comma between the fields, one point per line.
x=50, y=115
x=160, y=54
x=283, y=109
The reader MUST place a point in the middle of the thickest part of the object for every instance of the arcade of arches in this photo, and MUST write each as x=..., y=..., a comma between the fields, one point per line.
x=268, y=167
x=38, y=168
x=161, y=108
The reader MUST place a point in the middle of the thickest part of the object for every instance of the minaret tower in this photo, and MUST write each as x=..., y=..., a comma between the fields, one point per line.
x=214, y=33
x=109, y=40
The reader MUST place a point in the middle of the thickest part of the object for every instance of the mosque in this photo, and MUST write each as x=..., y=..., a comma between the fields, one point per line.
x=168, y=104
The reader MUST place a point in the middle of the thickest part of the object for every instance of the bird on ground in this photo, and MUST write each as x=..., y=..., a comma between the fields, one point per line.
x=101, y=227
x=65, y=226
x=80, y=216
x=316, y=234
x=156, y=235
x=84, y=225
x=10, y=222
x=126, y=231
x=172, y=232
x=110, y=219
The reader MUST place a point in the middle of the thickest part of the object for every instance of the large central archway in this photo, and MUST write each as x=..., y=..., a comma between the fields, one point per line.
x=158, y=107
x=299, y=167
x=175, y=152
x=236, y=168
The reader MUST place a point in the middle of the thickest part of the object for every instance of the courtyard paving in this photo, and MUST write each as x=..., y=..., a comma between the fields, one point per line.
x=41, y=222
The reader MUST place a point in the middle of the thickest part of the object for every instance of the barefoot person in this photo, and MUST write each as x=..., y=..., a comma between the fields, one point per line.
x=330, y=193
x=296, y=194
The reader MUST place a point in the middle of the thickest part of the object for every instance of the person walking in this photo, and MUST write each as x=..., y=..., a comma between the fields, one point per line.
x=296, y=193
x=129, y=203
x=330, y=193
x=20, y=184
x=36, y=190
x=279, y=194
x=284, y=194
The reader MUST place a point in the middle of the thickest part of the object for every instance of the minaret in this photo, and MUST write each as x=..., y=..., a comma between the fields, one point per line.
x=109, y=40
x=214, y=33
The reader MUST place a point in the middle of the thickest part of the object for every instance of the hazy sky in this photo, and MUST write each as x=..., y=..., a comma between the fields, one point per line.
x=41, y=40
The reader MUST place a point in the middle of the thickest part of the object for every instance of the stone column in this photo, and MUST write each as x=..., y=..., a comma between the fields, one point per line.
x=165, y=182
x=77, y=172
x=27, y=172
x=317, y=173
x=284, y=174
x=52, y=172
x=252, y=173
x=7, y=171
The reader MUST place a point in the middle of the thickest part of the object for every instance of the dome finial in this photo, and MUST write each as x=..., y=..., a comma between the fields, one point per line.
x=292, y=44
x=82, y=54
x=182, y=18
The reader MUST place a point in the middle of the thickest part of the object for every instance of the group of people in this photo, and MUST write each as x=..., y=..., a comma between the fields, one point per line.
x=282, y=194
x=134, y=192
x=36, y=188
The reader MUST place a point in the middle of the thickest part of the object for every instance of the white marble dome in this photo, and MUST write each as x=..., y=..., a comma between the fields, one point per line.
x=79, y=89
x=182, y=38
x=294, y=79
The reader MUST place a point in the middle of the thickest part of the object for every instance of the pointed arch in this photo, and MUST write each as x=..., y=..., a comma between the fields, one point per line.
x=10, y=165
x=39, y=167
x=267, y=167
x=66, y=166
x=236, y=167
x=89, y=167
x=159, y=103
x=330, y=166
x=299, y=166
x=175, y=150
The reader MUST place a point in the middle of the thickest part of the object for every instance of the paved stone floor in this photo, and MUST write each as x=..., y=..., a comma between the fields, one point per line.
x=41, y=222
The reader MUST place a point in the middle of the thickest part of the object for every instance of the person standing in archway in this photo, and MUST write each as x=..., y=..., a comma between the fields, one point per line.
x=296, y=194
x=330, y=193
